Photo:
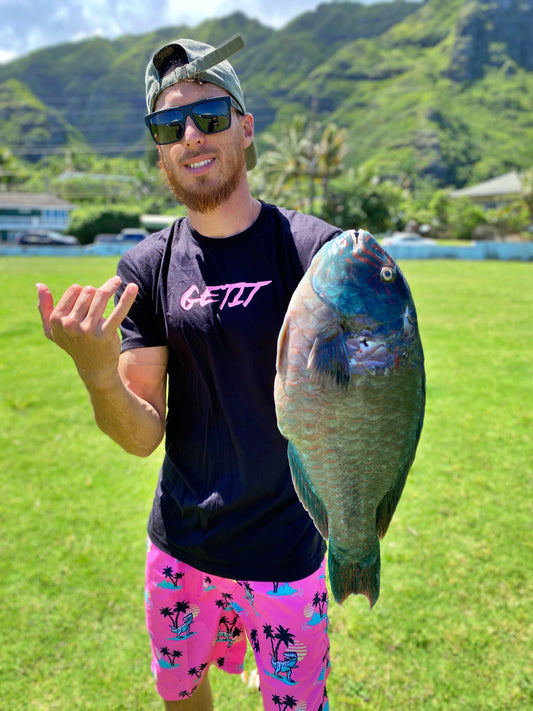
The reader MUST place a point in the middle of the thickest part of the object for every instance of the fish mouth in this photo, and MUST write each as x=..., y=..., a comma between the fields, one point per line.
x=367, y=353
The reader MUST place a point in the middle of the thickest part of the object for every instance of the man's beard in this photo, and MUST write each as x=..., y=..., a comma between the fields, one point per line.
x=203, y=197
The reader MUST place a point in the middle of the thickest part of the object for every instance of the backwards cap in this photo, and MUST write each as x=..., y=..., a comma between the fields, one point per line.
x=203, y=63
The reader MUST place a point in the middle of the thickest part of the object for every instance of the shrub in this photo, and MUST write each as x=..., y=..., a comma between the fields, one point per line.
x=463, y=217
x=86, y=223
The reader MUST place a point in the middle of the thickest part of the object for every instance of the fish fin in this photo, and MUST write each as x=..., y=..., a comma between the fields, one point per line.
x=389, y=502
x=354, y=577
x=329, y=362
x=306, y=492
x=282, y=344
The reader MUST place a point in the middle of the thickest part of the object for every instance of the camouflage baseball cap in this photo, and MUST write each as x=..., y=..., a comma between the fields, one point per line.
x=201, y=62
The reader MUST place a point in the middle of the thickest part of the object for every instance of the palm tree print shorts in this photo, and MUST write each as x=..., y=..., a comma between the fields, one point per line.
x=196, y=620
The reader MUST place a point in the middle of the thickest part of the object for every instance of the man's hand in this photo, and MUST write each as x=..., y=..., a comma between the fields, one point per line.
x=77, y=325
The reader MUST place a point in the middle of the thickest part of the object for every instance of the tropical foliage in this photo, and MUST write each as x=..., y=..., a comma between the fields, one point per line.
x=362, y=113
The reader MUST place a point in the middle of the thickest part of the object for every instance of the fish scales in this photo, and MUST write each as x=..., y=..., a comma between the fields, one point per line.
x=350, y=395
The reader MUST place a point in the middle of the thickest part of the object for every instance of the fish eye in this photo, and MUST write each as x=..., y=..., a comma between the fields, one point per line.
x=387, y=274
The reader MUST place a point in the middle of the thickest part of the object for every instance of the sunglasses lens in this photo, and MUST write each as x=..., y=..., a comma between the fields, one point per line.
x=212, y=116
x=168, y=127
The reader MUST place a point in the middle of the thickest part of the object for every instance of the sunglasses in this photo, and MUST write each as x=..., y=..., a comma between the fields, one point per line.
x=209, y=116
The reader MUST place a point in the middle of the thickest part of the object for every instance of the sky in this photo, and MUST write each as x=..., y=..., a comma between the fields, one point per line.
x=27, y=25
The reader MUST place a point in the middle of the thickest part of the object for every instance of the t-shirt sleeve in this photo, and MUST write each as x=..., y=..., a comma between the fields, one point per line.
x=143, y=326
x=311, y=233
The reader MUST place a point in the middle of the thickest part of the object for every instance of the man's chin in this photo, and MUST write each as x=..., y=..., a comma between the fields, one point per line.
x=206, y=196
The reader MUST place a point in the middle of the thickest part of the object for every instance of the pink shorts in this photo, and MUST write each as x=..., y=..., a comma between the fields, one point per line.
x=196, y=620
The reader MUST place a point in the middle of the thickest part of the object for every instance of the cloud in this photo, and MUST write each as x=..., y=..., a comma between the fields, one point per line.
x=30, y=24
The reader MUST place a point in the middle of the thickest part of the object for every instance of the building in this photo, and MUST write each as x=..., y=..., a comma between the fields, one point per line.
x=20, y=212
x=494, y=192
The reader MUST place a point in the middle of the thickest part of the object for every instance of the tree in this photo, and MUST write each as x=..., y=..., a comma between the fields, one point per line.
x=527, y=191
x=360, y=199
x=331, y=151
x=284, y=636
x=283, y=163
x=307, y=155
x=463, y=217
x=86, y=223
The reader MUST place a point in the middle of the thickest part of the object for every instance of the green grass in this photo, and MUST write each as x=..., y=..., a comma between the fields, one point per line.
x=452, y=629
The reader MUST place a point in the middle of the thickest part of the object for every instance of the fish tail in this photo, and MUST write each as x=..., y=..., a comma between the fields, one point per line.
x=354, y=577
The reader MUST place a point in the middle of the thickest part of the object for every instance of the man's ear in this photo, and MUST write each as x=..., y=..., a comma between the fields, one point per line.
x=248, y=128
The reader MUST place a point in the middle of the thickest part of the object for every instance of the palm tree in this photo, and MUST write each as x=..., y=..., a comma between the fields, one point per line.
x=248, y=591
x=165, y=611
x=197, y=671
x=224, y=621
x=316, y=600
x=285, y=163
x=225, y=601
x=269, y=634
x=254, y=639
x=169, y=574
x=277, y=700
x=290, y=702
x=176, y=654
x=165, y=652
x=179, y=607
x=298, y=159
x=331, y=151
x=320, y=601
x=284, y=636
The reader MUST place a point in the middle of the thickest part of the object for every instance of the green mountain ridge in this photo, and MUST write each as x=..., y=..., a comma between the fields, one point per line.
x=441, y=90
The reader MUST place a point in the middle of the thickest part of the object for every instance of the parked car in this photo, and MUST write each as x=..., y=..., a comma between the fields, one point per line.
x=128, y=234
x=47, y=237
x=407, y=238
x=133, y=234
x=105, y=237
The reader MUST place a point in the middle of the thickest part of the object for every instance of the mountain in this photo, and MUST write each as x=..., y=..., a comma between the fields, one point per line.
x=441, y=90
x=28, y=123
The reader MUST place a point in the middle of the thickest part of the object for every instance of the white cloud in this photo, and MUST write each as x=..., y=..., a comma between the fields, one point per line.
x=30, y=24
x=6, y=56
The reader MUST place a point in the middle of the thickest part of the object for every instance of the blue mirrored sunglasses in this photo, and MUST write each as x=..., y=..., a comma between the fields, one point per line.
x=208, y=115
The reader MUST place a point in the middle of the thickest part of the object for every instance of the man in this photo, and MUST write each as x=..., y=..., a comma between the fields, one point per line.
x=232, y=553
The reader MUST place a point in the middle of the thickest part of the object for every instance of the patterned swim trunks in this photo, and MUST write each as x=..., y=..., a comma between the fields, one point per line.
x=196, y=620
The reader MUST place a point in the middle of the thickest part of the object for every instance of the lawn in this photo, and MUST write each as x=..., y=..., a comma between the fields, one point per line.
x=452, y=629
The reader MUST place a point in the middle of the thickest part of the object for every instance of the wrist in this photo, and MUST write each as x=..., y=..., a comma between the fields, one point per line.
x=100, y=380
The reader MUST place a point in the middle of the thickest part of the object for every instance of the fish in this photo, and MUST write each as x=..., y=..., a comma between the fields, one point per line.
x=349, y=394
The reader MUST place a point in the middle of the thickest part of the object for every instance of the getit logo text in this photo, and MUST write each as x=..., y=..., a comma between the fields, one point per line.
x=229, y=295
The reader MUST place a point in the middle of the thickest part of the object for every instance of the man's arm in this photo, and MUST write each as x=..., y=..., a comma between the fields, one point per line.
x=131, y=409
x=128, y=391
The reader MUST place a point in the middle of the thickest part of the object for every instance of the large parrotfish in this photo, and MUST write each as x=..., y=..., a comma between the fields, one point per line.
x=350, y=394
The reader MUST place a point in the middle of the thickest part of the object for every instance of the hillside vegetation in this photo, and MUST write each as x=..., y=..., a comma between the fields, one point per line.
x=438, y=90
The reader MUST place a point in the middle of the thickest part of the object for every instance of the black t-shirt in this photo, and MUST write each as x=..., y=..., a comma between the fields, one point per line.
x=225, y=502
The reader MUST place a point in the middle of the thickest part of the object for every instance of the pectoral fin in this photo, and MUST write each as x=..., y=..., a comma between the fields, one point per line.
x=328, y=361
x=306, y=492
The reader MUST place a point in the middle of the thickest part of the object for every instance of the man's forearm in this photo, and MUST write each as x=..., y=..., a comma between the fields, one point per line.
x=127, y=419
x=128, y=402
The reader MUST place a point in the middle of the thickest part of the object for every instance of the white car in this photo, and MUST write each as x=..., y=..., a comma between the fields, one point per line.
x=407, y=238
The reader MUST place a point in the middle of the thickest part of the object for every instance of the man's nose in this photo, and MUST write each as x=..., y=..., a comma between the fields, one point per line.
x=192, y=134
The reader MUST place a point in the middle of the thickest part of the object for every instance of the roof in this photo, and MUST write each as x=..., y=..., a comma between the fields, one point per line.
x=507, y=184
x=12, y=199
